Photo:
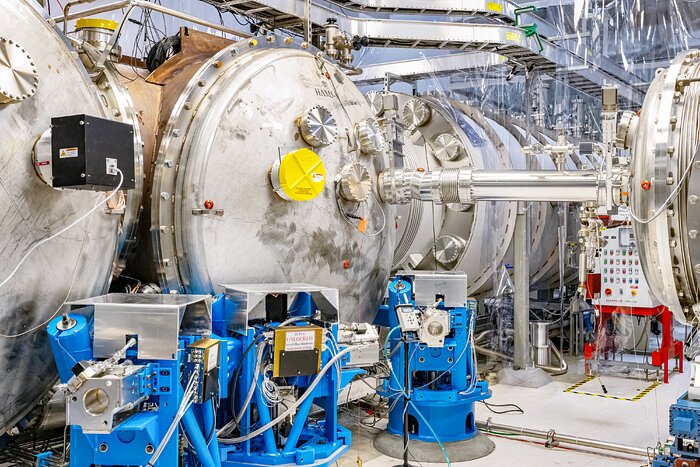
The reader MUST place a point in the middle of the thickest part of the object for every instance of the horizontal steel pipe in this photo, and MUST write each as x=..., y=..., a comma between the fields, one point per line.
x=466, y=186
x=551, y=435
x=542, y=185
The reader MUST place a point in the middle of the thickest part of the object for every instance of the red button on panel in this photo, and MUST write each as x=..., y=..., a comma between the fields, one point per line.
x=608, y=291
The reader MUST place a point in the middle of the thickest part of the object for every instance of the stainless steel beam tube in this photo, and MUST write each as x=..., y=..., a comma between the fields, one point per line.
x=552, y=370
x=466, y=186
x=543, y=185
x=562, y=439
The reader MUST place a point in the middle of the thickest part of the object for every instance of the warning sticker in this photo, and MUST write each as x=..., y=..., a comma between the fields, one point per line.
x=513, y=36
x=65, y=153
x=299, y=340
x=213, y=358
x=317, y=177
x=493, y=6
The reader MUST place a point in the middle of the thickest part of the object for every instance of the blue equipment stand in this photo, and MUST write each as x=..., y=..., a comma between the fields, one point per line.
x=159, y=389
x=442, y=385
x=134, y=440
x=308, y=441
x=684, y=426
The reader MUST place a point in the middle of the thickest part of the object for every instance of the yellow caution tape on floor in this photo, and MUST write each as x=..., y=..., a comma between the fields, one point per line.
x=573, y=390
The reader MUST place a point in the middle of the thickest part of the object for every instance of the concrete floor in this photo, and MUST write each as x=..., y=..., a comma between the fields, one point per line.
x=641, y=423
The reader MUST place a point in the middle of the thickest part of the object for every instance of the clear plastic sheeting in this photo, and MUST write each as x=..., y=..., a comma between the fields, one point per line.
x=628, y=39
x=527, y=378
x=623, y=339
x=498, y=336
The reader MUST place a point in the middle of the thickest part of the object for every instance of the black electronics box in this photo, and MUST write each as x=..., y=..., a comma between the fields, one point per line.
x=85, y=150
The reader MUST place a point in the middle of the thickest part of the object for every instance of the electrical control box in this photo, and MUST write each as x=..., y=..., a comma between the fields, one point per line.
x=86, y=152
x=408, y=318
x=297, y=351
x=622, y=280
x=202, y=360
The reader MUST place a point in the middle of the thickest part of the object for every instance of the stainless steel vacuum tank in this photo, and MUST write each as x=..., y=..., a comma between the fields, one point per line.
x=441, y=133
x=664, y=140
x=41, y=78
x=220, y=206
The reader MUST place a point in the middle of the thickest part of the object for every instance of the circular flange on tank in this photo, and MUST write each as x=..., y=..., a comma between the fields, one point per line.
x=318, y=126
x=370, y=136
x=416, y=112
x=665, y=144
x=355, y=183
x=119, y=105
x=376, y=101
x=19, y=77
x=76, y=264
x=240, y=117
x=446, y=147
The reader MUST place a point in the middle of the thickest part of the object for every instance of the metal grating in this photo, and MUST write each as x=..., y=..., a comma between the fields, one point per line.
x=507, y=41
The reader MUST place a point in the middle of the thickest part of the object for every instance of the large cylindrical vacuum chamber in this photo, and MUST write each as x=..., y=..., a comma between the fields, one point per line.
x=476, y=239
x=230, y=120
x=41, y=78
x=472, y=238
x=665, y=184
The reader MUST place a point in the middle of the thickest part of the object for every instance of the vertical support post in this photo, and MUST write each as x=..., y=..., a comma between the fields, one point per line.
x=307, y=21
x=521, y=312
x=209, y=431
x=298, y=425
x=264, y=413
x=521, y=318
x=562, y=231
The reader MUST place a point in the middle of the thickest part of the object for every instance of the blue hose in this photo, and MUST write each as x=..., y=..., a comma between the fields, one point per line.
x=194, y=434
x=403, y=391
x=209, y=422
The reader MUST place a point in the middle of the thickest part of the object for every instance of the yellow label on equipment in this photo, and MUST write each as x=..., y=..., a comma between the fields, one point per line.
x=495, y=7
x=513, y=36
x=302, y=175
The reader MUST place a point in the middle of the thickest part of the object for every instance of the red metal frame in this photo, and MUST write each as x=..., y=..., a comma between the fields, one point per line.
x=669, y=348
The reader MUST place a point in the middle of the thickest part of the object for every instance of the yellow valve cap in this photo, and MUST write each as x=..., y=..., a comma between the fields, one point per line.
x=101, y=23
x=298, y=175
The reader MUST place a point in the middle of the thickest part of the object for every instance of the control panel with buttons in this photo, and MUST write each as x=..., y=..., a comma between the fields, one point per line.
x=408, y=318
x=622, y=280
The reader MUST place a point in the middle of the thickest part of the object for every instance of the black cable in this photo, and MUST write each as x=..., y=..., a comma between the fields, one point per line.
x=212, y=432
x=516, y=408
x=236, y=374
x=162, y=51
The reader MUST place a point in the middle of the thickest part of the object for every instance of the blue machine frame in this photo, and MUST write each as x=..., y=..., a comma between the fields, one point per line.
x=443, y=386
x=684, y=426
x=159, y=390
